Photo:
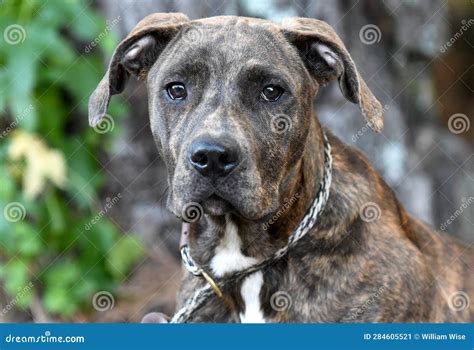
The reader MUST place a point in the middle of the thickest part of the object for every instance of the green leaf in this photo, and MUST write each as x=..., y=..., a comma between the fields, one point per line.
x=87, y=25
x=16, y=276
x=21, y=80
x=55, y=212
x=24, y=296
x=81, y=80
x=84, y=176
x=7, y=189
x=57, y=300
x=62, y=273
x=100, y=232
x=124, y=255
x=49, y=75
x=28, y=242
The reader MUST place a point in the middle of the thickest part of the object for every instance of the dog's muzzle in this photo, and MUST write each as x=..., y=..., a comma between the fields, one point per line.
x=216, y=286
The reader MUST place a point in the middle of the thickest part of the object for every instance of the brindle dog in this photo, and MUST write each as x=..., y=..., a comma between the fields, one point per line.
x=217, y=88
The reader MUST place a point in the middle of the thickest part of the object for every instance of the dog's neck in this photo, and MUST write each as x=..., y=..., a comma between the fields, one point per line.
x=261, y=239
x=301, y=185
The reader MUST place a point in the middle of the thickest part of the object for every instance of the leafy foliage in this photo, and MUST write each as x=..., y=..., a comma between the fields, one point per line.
x=46, y=77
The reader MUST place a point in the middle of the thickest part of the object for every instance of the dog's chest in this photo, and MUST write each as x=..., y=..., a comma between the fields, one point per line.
x=228, y=258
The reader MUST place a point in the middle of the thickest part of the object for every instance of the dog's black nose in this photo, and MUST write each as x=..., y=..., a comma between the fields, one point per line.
x=213, y=159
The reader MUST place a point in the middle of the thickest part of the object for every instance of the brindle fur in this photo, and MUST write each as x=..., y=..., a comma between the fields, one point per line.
x=394, y=269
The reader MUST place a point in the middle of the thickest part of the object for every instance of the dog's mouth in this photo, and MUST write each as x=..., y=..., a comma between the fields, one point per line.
x=215, y=205
x=237, y=196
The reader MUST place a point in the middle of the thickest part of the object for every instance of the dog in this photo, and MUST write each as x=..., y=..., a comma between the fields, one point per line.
x=231, y=111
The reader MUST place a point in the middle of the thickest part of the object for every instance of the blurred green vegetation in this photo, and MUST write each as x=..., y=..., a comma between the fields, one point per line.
x=50, y=175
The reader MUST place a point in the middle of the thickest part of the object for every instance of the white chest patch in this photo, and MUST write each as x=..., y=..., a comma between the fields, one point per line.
x=229, y=258
x=251, y=295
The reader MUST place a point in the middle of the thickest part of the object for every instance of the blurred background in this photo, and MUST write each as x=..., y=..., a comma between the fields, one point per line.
x=84, y=235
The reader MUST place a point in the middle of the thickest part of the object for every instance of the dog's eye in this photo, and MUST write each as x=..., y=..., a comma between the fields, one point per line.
x=176, y=91
x=271, y=93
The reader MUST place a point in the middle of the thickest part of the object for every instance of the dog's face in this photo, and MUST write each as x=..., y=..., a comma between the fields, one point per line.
x=230, y=103
x=229, y=114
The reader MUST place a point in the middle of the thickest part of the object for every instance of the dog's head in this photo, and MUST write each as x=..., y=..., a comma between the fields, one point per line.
x=231, y=101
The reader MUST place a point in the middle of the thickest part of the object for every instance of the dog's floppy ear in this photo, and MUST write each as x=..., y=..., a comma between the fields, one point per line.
x=327, y=58
x=134, y=55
